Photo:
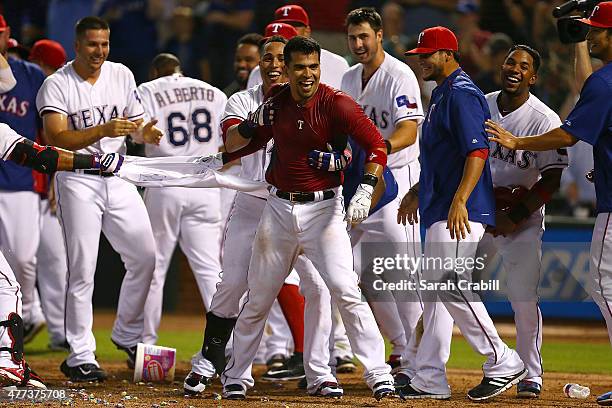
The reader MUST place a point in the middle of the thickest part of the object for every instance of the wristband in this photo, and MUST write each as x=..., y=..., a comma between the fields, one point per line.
x=369, y=179
x=389, y=147
x=85, y=161
x=246, y=131
x=519, y=213
x=414, y=189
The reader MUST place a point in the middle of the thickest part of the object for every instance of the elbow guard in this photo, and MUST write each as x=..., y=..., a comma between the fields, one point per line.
x=40, y=158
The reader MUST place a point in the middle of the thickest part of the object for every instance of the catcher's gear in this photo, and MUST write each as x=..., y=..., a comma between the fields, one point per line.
x=30, y=154
x=359, y=206
x=216, y=335
x=14, y=326
x=332, y=160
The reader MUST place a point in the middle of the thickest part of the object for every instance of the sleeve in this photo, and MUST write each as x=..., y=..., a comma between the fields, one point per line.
x=467, y=115
x=406, y=95
x=350, y=120
x=134, y=108
x=551, y=159
x=260, y=140
x=7, y=80
x=146, y=100
x=592, y=114
x=51, y=97
x=235, y=108
x=8, y=139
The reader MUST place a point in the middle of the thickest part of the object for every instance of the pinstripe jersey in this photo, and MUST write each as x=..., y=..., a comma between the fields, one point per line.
x=113, y=95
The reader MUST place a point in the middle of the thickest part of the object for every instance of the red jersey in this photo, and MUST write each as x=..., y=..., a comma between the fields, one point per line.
x=330, y=116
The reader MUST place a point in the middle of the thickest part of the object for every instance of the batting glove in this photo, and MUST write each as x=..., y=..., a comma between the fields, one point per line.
x=332, y=160
x=110, y=162
x=212, y=161
x=263, y=116
x=359, y=207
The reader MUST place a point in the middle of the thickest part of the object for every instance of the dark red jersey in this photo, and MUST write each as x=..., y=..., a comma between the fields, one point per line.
x=330, y=116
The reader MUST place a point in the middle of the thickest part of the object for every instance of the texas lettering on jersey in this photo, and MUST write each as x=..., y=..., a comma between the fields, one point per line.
x=12, y=104
x=509, y=156
x=380, y=119
x=99, y=115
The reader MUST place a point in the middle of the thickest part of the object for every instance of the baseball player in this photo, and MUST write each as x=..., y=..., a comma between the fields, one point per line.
x=246, y=58
x=240, y=233
x=305, y=212
x=18, y=198
x=51, y=268
x=14, y=371
x=189, y=110
x=89, y=105
x=518, y=238
x=333, y=66
x=389, y=94
x=590, y=121
x=455, y=199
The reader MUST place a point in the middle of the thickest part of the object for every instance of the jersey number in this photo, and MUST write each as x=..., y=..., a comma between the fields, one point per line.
x=179, y=135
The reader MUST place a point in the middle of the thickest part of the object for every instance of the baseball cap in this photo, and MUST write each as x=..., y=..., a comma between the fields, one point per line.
x=601, y=16
x=291, y=13
x=3, y=25
x=49, y=52
x=435, y=39
x=284, y=30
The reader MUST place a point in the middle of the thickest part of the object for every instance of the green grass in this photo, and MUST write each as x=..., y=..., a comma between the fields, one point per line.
x=560, y=356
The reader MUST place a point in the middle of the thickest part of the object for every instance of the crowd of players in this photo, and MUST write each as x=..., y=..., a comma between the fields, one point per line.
x=446, y=177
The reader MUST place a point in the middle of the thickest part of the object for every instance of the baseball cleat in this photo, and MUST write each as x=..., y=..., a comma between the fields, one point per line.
x=383, y=389
x=30, y=330
x=303, y=384
x=293, y=369
x=329, y=389
x=395, y=362
x=234, y=392
x=20, y=377
x=130, y=351
x=401, y=380
x=276, y=361
x=345, y=365
x=528, y=389
x=490, y=387
x=195, y=383
x=605, y=400
x=409, y=392
x=83, y=372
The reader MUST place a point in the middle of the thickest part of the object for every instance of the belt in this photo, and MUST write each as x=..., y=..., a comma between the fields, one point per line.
x=96, y=173
x=302, y=197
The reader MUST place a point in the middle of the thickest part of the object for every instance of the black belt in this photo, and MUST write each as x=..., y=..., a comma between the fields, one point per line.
x=97, y=173
x=300, y=197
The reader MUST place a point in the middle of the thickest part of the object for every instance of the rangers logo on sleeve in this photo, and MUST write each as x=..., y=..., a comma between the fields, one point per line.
x=404, y=100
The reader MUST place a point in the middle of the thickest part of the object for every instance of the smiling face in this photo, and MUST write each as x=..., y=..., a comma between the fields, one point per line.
x=432, y=65
x=245, y=59
x=304, y=72
x=272, y=63
x=92, y=48
x=599, y=43
x=365, y=43
x=518, y=73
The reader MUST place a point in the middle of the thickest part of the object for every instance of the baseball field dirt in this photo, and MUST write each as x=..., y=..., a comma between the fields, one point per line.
x=119, y=388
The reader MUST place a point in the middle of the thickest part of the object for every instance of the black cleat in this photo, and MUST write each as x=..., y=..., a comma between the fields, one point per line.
x=130, y=351
x=395, y=362
x=234, y=392
x=409, y=392
x=329, y=389
x=303, y=384
x=492, y=386
x=195, y=383
x=293, y=369
x=383, y=389
x=401, y=381
x=83, y=372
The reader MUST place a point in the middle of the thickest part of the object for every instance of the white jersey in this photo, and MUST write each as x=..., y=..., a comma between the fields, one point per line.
x=238, y=107
x=8, y=139
x=113, y=95
x=523, y=167
x=391, y=95
x=188, y=112
x=332, y=68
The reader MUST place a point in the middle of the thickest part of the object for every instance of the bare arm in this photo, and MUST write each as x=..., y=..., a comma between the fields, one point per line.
x=234, y=140
x=57, y=132
x=404, y=135
x=458, y=221
x=553, y=139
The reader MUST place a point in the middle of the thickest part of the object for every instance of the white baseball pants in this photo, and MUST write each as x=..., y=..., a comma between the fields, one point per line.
x=319, y=230
x=600, y=284
x=10, y=302
x=88, y=204
x=521, y=255
x=471, y=316
x=193, y=219
x=51, y=272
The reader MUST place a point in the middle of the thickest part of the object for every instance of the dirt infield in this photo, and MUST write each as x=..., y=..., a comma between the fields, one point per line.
x=287, y=395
